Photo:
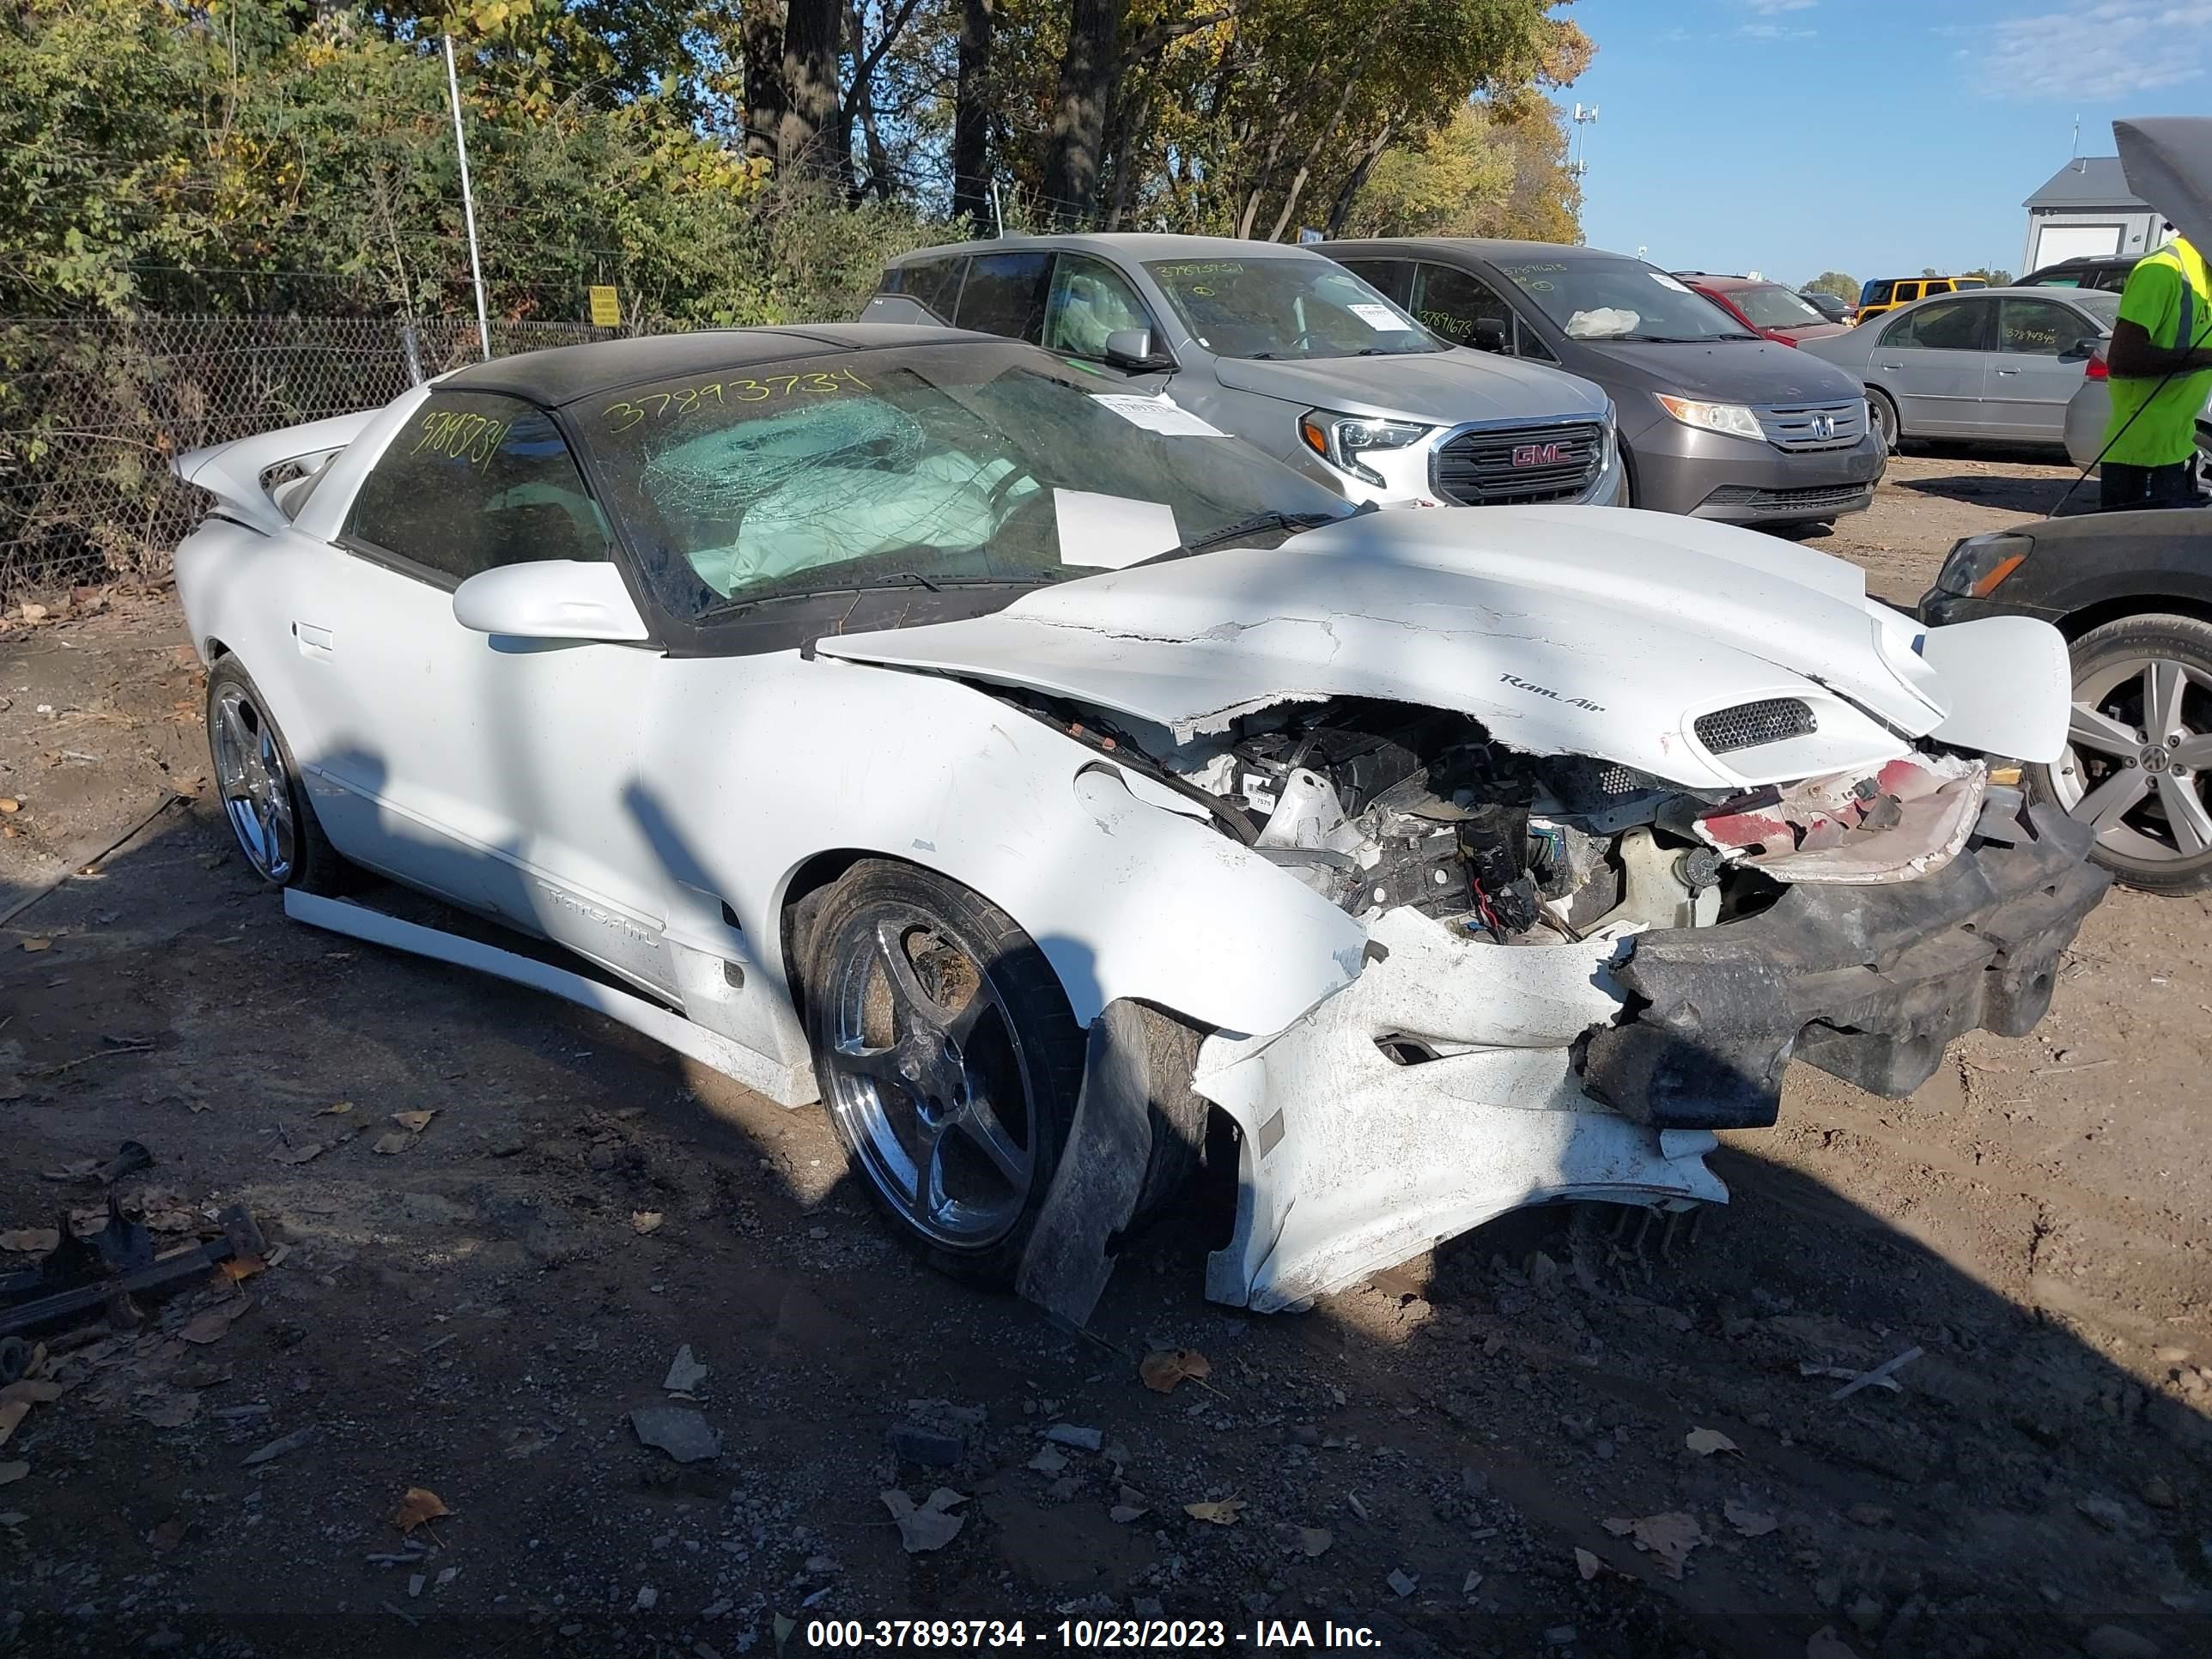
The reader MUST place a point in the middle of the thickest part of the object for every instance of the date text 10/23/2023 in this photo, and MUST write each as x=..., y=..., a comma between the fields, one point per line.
x=1093, y=1635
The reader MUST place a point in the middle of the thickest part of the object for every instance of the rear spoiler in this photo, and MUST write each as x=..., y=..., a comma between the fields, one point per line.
x=232, y=472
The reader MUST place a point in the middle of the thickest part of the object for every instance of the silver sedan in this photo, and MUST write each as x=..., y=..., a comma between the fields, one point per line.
x=2090, y=412
x=1994, y=363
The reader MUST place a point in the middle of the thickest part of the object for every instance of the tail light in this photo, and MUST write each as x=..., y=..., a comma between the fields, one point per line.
x=2096, y=369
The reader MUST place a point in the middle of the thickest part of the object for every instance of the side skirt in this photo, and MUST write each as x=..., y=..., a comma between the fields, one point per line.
x=786, y=1084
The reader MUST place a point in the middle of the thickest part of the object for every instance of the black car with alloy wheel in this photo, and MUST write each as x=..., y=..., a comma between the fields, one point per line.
x=2132, y=592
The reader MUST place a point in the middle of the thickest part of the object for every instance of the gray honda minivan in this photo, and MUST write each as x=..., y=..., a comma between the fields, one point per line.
x=1714, y=421
x=1280, y=347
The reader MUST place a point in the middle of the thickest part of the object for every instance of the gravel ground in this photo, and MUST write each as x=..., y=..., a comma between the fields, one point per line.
x=1494, y=1451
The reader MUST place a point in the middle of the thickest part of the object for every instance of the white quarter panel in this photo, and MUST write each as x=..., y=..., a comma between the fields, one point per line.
x=752, y=766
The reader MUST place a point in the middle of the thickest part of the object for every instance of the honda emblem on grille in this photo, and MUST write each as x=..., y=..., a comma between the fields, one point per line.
x=1824, y=426
x=1539, y=454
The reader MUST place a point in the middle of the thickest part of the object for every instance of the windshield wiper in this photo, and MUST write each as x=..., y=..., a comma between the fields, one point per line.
x=1292, y=522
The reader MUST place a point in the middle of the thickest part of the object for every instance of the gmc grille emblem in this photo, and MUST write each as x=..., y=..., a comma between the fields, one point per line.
x=1539, y=454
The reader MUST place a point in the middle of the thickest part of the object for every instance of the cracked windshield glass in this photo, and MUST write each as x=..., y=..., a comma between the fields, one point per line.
x=935, y=467
x=1269, y=308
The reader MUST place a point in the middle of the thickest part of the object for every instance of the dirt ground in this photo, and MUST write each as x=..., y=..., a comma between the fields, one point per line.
x=1495, y=1450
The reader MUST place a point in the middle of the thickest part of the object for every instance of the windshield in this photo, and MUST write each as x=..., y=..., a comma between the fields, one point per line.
x=1620, y=300
x=1771, y=306
x=920, y=465
x=2098, y=303
x=1286, y=307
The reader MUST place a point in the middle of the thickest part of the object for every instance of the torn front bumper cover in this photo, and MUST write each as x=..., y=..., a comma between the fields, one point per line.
x=1868, y=983
x=1595, y=1070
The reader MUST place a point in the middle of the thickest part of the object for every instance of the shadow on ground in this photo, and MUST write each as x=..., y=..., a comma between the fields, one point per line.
x=1483, y=1437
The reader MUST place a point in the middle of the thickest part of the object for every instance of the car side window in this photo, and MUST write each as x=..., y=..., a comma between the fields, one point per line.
x=1878, y=293
x=933, y=284
x=1004, y=295
x=1392, y=278
x=473, y=481
x=1464, y=309
x=1089, y=301
x=2039, y=328
x=1944, y=325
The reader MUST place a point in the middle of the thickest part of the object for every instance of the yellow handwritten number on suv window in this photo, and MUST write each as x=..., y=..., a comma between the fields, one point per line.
x=687, y=400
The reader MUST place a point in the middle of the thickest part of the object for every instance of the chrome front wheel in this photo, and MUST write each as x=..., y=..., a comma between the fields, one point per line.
x=948, y=1060
x=255, y=783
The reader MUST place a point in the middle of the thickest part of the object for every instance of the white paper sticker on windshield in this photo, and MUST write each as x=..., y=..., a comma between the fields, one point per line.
x=1665, y=281
x=1106, y=532
x=1380, y=318
x=1156, y=414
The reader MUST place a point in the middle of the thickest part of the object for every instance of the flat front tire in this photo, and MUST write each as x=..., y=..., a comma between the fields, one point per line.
x=2137, y=767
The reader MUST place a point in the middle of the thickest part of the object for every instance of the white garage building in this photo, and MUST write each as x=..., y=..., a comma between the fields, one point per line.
x=2086, y=209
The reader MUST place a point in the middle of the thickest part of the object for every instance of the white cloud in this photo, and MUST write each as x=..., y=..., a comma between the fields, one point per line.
x=2108, y=49
x=1774, y=32
x=1769, y=8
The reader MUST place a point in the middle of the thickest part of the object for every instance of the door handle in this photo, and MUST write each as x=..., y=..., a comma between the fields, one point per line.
x=1889, y=368
x=313, y=640
x=2006, y=371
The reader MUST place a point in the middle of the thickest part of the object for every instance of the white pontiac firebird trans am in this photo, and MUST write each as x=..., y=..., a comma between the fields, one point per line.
x=1066, y=794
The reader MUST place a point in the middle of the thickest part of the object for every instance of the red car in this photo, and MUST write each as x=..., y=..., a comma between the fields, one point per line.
x=1767, y=308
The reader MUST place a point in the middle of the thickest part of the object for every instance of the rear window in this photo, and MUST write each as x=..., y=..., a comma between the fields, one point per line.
x=1771, y=306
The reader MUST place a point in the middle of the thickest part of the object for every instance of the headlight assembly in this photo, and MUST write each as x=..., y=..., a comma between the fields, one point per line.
x=1979, y=565
x=1732, y=419
x=1340, y=439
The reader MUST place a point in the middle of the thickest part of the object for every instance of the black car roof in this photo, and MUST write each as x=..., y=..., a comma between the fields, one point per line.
x=565, y=374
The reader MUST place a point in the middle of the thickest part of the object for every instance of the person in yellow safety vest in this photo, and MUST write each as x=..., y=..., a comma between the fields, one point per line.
x=2161, y=363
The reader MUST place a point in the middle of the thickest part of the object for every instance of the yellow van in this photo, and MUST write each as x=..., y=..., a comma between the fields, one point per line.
x=1887, y=293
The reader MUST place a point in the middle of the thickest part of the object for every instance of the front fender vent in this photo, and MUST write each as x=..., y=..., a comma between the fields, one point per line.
x=1753, y=725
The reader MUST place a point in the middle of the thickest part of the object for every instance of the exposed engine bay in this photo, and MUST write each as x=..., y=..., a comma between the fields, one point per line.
x=1376, y=806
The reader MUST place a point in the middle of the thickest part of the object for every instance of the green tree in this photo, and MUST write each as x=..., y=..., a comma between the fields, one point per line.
x=1994, y=278
x=1844, y=288
x=1494, y=171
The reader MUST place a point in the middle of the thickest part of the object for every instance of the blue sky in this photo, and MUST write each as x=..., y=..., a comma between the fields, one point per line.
x=1871, y=136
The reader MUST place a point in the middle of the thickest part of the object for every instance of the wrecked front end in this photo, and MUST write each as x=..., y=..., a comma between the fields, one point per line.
x=1574, y=974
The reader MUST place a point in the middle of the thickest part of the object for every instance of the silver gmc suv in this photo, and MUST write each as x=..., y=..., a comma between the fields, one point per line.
x=1285, y=350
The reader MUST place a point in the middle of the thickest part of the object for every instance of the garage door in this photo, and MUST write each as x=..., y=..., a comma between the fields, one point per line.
x=2074, y=242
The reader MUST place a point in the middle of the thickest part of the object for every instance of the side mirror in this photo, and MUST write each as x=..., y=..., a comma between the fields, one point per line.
x=550, y=600
x=1488, y=335
x=1132, y=348
x=2082, y=350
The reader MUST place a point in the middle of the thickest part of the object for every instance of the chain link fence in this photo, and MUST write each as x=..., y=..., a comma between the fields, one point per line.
x=91, y=410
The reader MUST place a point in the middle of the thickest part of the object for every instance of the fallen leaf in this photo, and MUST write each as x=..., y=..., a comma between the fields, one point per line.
x=1223, y=1513
x=1587, y=1564
x=645, y=1221
x=336, y=1109
x=420, y=1505
x=168, y=1408
x=36, y=1240
x=396, y=1141
x=1122, y=1514
x=167, y=1536
x=1164, y=1368
x=1670, y=1536
x=1049, y=1459
x=38, y=945
x=213, y=1324
x=239, y=1268
x=1748, y=1521
x=9, y=804
x=414, y=1122
x=296, y=1154
x=1706, y=1441
x=929, y=1525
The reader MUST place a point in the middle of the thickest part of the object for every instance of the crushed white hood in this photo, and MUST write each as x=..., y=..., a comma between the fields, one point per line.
x=1564, y=630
